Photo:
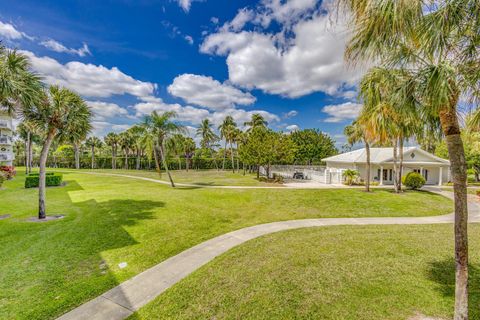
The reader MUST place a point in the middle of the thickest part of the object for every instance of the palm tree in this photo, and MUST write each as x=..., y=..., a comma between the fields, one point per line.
x=436, y=44
x=176, y=145
x=92, y=143
x=357, y=132
x=208, y=138
x=125, y=141
x=188, y=150
x=136, y=134
x=19, y=87
x=162, y=126
x=111, y=139
x=257, y=121
x=57, y=115
x=226, y=131
x=26, y=130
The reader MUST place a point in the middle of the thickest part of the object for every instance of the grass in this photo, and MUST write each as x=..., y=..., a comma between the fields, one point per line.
x=49, y=268
x=198, y=177
x=361, y=272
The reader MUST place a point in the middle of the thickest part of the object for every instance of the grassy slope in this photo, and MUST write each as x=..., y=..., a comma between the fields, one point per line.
x=49, y=268
x=367, y=272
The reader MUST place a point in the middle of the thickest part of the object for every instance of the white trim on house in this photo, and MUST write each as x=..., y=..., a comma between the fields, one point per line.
x=434, y=169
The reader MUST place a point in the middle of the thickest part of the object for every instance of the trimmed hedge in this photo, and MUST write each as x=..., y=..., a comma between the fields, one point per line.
x=414, y=180
x=52, y=179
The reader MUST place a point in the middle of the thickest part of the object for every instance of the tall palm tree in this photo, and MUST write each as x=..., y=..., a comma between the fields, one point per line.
x=208, y=138
x=436, y=44
x=93, y=143
x=26, y=130
x=357, y=132
x=257, y=121
x=125, y=141
x=57, y=115
x=136, y=134
x=111, y=139
x=176, y=145
x=162, y=126
x=19, y=87
x=226, y=132
x=188, y=150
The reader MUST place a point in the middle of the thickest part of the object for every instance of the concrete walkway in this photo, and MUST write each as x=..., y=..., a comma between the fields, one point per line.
x=123, y=300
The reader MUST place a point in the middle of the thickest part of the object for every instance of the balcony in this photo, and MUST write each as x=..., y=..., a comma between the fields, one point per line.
x=6, y=156
x=6, y=140
x=5, y=124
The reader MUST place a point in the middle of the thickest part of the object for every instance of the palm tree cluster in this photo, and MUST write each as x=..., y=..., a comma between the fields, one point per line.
x=427, y=59
x=53, y=114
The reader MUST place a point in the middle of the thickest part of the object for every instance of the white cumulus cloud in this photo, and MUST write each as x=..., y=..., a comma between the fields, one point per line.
x=209, y=93
x=58, y=47
x=105, y=110
x=89, y=80
x=342, y=112
x=306, y=56
x=8, y=31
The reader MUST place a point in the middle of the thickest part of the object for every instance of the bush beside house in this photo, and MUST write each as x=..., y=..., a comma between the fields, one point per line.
x=414, y=180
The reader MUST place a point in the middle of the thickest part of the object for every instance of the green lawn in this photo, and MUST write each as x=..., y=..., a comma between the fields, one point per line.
x=361, y=272
x=49, y=268
x=198, y=177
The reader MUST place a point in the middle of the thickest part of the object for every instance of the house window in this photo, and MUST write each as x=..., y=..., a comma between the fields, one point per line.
x=390, y=174
x=385, y=174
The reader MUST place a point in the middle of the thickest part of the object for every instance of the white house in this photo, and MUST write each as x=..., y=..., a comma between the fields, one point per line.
x=6, y=139
x=435, y=170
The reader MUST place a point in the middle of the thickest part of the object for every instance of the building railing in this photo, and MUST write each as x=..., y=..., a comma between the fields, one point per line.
x=5, y=124
x=6, y=140
x=4, y=156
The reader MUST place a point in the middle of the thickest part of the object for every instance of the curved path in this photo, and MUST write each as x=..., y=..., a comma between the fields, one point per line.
x=123, y=300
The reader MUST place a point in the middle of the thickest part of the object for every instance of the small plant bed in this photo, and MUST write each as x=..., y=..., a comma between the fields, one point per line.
x=52, y=179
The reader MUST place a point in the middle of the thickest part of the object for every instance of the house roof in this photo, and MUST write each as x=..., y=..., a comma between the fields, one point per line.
x=380, y=155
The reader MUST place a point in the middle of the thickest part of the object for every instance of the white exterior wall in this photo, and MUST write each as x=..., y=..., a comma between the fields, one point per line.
x=6, y=140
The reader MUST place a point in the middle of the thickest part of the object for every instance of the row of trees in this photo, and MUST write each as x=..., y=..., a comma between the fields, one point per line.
x=427, y=60
x=139, y=145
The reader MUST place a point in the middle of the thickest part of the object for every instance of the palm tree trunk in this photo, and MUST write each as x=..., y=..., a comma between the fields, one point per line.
x=42, y=213
x=400, y=167
x=93, y=157
x=77, y=155
x=458, y=169
x=126, y=159
x=164, y=161
x=27, y=153
x=30, y=155
x=395, y=172
x=187, y=164
x=367, y=180
x=157, y=163
x=224, y=155
x=113, y=157
x=233, y=161
x=138, y=160
x=179, y=164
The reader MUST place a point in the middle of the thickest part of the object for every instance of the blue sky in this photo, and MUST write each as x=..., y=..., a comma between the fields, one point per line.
x=207, y=58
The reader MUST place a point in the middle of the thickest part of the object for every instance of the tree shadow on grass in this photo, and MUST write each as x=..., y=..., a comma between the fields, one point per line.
x=443, y=273
x=61, y=262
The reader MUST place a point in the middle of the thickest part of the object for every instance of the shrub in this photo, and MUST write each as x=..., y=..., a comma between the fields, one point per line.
x=350, y=176
x=8, y=171
x=51, y=180
x=414, y=180
x=278, y=178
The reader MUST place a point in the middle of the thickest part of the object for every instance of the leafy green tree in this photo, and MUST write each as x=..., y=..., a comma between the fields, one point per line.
x=312, y=145
x=265, y=147
x=350, y=176
x=112, y=140
x=357, y=132
x=136, y=134
x=162, y=126
x=436, y=45
x=57, y=115
x=189, y=148
x=93, y=143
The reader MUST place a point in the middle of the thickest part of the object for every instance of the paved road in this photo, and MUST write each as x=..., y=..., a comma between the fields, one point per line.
x=126, y=298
